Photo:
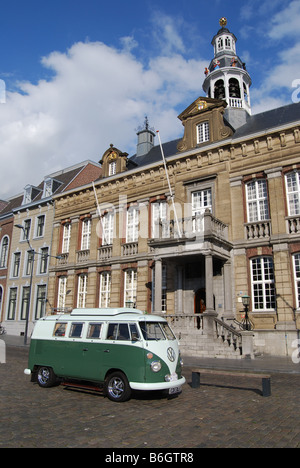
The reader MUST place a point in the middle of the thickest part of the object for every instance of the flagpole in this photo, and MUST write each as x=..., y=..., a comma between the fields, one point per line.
x=170, y=188
x=99, y=212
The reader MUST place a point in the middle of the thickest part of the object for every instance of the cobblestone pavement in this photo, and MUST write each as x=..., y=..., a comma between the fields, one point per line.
x=227, y=413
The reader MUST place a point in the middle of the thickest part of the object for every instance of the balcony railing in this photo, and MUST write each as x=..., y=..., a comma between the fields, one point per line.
x=258, y=230
x=104, y=252
x=196, y=226
x=293, y=224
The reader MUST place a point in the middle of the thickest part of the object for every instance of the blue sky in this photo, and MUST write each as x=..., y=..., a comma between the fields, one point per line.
x=80, y=75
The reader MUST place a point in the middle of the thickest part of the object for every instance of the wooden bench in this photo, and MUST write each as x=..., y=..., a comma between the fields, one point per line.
x=266, y=379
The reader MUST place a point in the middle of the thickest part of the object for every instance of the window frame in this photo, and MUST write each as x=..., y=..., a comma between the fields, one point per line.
x=264, y=287
x=260, y=203
x=294, y=193
x=203, y=132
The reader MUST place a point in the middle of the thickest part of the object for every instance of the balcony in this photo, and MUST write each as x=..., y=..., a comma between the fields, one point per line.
x=201, y=227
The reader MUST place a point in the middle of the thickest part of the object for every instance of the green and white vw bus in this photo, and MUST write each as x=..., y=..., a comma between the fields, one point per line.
x=120, y=349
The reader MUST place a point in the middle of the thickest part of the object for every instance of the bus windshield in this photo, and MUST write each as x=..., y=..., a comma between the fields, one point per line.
x=156, y=331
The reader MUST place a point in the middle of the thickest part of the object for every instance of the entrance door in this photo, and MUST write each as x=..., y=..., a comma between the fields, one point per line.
x=200, y=299
x=199, y=305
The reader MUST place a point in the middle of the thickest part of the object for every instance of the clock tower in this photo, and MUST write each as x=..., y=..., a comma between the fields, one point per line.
x=227, y=77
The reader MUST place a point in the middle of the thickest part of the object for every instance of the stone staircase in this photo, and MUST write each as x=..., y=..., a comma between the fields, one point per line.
x=214, y=338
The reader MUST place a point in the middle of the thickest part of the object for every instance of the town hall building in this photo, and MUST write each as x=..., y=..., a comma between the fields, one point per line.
x=204, y=229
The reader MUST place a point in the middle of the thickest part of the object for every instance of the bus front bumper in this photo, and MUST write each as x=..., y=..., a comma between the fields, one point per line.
x=157, y=385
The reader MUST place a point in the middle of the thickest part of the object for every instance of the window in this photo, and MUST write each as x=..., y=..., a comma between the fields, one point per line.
x=257, y=201
x=62, y=289
x=26, y=231
x=163, y=287
x=12, y=302
x=156, y=331
x=263, y=286
x=82, y=291
x=112, y=168
x=130, y=289
x=160, y=221
x=25, y=302
x=203, y=132
x=40, y=226
x=201, y=201
x=86, y=234
x=4, y=252
x=132, y=226
x=293, y=193
x=16, y=264
x=60, y=329
x=105, y=286
x=94, y=331
x=220, y=43
x=108, y=228
x=296, y=262
x=43, y=267
x=40, y=302
x=29, y=262
x=76, y=330
x=227, y=43
x=122, y=332
x=66, y=238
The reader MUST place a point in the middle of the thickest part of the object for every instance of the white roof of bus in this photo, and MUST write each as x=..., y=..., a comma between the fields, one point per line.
x=123, y=313
x=110, y=312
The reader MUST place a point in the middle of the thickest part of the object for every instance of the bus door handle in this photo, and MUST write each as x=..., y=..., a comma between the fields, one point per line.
x=106, y=351
x=85, y=349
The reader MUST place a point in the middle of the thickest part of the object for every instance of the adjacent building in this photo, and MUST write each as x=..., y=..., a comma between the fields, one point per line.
x=26, y=236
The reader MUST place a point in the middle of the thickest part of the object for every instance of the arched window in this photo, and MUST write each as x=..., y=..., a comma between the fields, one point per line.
x=234, y=88
x=4, y=252
x=219, y=90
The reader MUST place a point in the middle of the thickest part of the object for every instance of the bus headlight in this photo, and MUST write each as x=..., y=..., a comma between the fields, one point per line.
x=155, y=366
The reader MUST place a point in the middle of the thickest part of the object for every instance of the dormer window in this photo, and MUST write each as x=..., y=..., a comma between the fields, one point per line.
x=112, y=168
x=202, y=132
x=30, y=193
x=50, y=186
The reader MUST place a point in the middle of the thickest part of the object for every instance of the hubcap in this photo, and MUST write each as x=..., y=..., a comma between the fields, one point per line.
x=43, y=375
x=116, y=387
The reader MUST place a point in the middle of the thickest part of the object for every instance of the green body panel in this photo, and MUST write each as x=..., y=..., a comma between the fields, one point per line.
x=91, y=361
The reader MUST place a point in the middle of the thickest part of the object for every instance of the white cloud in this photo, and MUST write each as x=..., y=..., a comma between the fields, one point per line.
x=98, y=95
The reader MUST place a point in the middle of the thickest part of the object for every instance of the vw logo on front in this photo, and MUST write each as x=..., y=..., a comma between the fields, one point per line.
x=171, y=354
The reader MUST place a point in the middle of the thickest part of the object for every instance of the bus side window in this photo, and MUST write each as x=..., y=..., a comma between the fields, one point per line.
x=94, y=330
x=123, y=333
x=76, y=330
x=112, y=331
x=60, y=329
x=134, y=332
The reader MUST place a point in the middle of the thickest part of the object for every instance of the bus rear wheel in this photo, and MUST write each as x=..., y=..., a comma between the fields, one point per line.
x=46, y=377
x=116, y=387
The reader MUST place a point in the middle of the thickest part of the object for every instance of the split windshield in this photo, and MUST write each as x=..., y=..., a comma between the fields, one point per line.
x=156, y=331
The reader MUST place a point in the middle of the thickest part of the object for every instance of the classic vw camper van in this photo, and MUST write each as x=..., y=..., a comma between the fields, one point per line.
x=120, y=349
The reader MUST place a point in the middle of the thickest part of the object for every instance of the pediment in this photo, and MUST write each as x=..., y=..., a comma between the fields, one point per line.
x=201, y=106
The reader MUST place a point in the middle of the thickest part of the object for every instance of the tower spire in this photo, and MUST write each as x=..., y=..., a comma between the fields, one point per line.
x=227, y=77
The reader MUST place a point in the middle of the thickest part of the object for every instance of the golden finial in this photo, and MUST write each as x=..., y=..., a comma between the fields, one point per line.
x=223, y=21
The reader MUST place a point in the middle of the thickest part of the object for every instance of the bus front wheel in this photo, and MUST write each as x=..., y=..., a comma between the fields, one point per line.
x=116, y=387
x=46, y=377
